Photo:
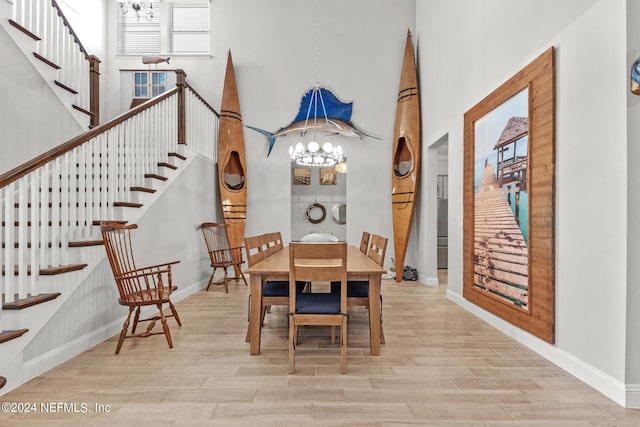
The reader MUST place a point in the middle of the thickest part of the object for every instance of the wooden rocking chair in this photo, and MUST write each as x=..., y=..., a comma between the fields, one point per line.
x=220, y=254
x=138, y=287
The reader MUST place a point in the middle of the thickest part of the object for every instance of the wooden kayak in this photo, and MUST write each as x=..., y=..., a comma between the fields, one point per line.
x=405, y=156
x=231, y=161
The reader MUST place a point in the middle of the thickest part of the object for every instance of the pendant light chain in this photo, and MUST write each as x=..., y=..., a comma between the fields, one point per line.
x=317, y=83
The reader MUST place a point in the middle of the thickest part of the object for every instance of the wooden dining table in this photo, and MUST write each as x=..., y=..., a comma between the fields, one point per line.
x=276, y=267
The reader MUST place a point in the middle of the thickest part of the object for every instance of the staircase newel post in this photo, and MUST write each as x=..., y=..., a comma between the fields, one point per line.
x=94, y=90
x=181, y=82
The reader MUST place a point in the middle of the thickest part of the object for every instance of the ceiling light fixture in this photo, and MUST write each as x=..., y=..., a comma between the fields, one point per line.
x=141, y=8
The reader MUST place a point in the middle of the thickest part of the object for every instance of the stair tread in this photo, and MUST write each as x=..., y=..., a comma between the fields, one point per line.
x=11, y=334
x=61, y=269
x=83, y=243
x=167, y=165
x=128, y=204
x=143, y=189
x=48, y=271
x=156, y=176
x=29, y=301
x=117, y=221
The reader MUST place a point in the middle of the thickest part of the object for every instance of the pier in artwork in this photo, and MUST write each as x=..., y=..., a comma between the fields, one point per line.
x=500, y=251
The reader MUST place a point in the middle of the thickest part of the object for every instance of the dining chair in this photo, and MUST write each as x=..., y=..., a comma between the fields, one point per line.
x=138, y=287
x=310, y=262
x=364, y=242
x=221, y=255
x=272, y=242
x=358, y=290
x=274, y=292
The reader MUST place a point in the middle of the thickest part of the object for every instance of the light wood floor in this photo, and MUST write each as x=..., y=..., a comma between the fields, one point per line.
x=440, y=366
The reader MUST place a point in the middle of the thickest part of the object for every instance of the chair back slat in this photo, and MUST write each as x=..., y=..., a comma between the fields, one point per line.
x=364, y=242
x=253, y=247
x=378, y=248
x=271, y=242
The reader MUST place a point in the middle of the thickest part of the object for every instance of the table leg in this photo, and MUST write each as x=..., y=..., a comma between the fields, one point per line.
x=255, y=321
x=374, y=314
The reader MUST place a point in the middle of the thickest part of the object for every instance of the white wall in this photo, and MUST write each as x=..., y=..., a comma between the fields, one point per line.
x=633, y=195
x=465, y=56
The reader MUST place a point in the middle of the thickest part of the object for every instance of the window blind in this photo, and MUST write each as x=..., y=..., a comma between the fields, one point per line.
x=189, y=28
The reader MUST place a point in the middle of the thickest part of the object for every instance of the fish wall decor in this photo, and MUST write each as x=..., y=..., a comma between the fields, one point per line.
x=320, y=111
x=635, y=78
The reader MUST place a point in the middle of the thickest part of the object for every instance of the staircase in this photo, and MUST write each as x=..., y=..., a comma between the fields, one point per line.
x=52, y=205
x=42, y=32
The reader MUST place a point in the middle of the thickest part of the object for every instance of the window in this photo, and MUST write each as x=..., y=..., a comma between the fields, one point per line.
x=149, y=82
x=139, y=36
x=189, y=28
x=176, y=28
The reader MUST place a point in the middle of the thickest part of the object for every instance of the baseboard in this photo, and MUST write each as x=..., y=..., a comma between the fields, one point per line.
x=632, y=396
x=428, y=281
x=626, y=396
x=49, y=360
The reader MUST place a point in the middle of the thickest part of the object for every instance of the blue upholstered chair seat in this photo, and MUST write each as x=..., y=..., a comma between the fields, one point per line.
x=318, y=303
x=279, y=288
x=355, y=288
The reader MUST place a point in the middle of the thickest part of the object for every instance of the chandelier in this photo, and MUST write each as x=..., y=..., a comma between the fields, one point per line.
x=314, y=154
x=141, y=8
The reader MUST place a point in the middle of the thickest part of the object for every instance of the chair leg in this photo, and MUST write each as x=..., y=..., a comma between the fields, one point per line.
x=292, y=345
x=175, y=313
x=243, y=278
x=123, y=333
x=264, y=311
x=211, y=279
x=135, y=321
x=343, y=346
x=226, y=281
x=382, y=340
x=247, y=338
x=333, y=335
x=165, y=326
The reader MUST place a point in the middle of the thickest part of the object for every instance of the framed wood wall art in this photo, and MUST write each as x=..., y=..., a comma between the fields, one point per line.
x=301, y=176
x=328, y=176
x=509, y=170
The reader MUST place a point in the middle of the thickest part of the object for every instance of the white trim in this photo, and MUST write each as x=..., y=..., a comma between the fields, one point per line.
x=602, y=382
x=632, y=396
x=428, y=281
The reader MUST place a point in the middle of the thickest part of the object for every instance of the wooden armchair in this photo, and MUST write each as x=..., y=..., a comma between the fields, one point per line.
x=220, y=254
x=138, y=287
x=310, y=262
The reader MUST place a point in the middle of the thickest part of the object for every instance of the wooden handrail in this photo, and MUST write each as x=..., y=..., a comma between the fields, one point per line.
x=44, y=158
x=68, y=25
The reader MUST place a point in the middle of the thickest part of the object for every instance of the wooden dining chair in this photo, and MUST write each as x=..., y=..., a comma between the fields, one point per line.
x=358, y=290
x=272, y=242
x=221, y=254
x=310, y=262
x=274, y=292
x=364, y=242
x=138, y=287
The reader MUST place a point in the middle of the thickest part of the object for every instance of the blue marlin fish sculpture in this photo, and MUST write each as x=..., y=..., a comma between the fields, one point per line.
x=321, y=111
